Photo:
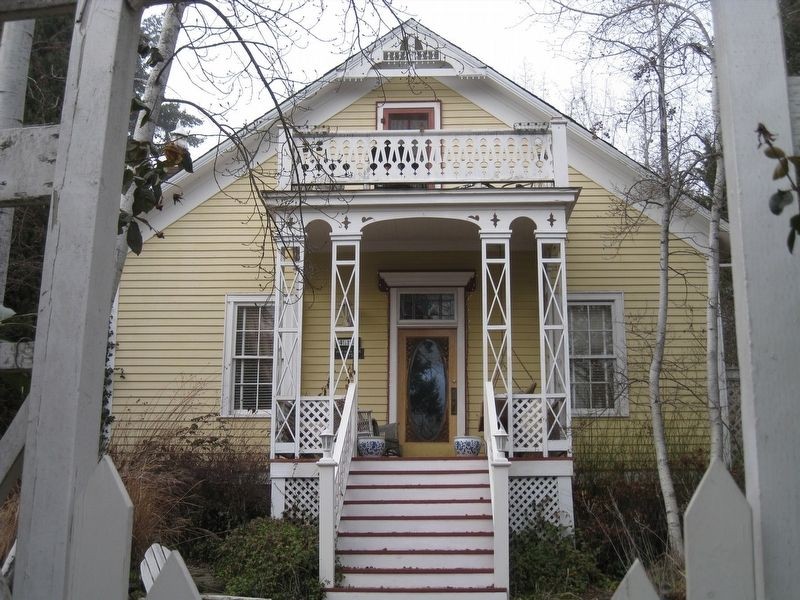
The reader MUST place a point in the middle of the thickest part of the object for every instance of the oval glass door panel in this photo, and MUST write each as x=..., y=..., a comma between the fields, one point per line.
x=427, y=390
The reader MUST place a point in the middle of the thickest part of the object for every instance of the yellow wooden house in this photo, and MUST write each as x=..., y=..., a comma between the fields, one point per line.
x=444, y=256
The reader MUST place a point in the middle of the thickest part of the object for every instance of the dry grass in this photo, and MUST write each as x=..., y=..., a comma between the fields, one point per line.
x=9, y=513
x=190, y=479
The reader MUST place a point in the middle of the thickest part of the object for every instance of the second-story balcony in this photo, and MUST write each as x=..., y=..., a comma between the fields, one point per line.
x=534, y=156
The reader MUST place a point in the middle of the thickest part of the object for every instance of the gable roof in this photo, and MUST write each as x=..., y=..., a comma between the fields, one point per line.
x=433, y=56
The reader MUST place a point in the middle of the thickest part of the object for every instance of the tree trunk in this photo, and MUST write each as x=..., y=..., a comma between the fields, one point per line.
x=659, y=435
x=15, y=53
x=144, y=132
x=153, y=96
x=712, y=312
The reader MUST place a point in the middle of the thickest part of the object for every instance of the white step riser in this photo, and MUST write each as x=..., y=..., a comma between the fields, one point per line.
x=432, y=478
x=411, y=493
x=355, y=595
x=417, y=465
x=418, y=509
x=417, y=561
x=477, y=542
x=416, y=525
x=417, y=579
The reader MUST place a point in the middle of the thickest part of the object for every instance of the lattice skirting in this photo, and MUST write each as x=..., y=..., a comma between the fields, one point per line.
x=302, y=497
x=532, y=499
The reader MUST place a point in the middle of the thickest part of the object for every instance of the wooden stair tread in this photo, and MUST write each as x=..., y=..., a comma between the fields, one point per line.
x=415, y=533
x=414, y=570
x=412, y=552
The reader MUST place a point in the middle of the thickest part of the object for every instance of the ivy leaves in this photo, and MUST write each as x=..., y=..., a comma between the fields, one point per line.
x=147, y=167
x=782, y=198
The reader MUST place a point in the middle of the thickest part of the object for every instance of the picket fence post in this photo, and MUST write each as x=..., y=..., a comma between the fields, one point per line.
x=636, y=585
x=718, y=533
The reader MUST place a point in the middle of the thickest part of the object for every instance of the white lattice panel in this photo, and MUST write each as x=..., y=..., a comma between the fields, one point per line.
x=302, y=497
x=532, y=498
x=313, y=422
x=528, y=424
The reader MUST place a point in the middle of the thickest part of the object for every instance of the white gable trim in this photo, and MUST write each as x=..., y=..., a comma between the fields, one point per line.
x=214, y=170
x=496, y=94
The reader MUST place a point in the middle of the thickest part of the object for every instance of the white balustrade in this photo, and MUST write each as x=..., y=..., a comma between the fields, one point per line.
x=496, y=447
x=334, y=468
x=436, y=156
x=298, y=424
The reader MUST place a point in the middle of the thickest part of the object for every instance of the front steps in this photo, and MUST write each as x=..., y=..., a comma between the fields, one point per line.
x=417, y=529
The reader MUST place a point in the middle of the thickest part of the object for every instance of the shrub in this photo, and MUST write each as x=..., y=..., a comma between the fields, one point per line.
x=272, y=559
x=191, y=481
x=545, y=561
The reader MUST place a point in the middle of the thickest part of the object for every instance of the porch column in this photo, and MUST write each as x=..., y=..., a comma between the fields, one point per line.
x=496, y=304
x=553, y=340
x=285, y=430
x=345, y=285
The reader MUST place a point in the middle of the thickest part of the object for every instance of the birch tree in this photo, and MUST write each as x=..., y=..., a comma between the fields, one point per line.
x=662, y=49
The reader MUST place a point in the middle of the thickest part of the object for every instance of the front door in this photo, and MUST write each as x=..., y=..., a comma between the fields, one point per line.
x=427, y=391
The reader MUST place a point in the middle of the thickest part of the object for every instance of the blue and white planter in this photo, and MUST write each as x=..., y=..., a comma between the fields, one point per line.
x=371, y=446
x=467, y=445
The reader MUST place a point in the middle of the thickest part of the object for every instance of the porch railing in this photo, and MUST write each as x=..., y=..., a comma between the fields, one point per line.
x=536, y=424
x=298, y=424
x=414, y=157
x=334, y=467
x=496, y=446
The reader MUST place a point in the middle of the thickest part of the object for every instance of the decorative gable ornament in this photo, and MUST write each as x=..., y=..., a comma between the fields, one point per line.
x=414, y=50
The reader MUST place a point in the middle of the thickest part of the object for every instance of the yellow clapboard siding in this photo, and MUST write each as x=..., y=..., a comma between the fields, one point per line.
x=171, y=307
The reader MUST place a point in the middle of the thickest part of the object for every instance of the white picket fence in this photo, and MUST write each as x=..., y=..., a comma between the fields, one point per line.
x=718, y=542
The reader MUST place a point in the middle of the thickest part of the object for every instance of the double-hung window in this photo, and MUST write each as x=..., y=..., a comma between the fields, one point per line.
x=597, y=354
x=249, y=348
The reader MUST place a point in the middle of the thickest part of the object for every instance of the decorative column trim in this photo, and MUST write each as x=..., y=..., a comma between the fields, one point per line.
x=344, y=315
x=287, y=360
x=496, y=315
x=553, y=328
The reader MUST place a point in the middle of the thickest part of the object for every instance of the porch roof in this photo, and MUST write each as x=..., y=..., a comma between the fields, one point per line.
x=482, y=203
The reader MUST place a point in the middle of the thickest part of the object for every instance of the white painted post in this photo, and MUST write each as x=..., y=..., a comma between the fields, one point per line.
x=566, y=517
x=496, y=310
x=101, y=552
x=558, y=129
x=277, y=497
x=718, y=534
x=61, y=449
x=327, y=520
x=551, y=263
x=752, y=89
x=345, y=292
x=500, y=500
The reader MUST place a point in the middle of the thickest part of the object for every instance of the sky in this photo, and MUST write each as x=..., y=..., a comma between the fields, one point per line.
x=498, y=32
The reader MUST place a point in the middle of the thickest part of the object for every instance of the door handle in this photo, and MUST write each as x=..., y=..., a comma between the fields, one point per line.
x=453, y=401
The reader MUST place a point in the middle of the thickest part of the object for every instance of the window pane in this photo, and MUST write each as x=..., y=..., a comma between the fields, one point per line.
x=427, y=307
x=592, y=337
x=596, y=346
x=580, y=395
x=580, y=370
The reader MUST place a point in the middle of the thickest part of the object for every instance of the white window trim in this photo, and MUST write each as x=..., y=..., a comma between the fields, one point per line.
x=617, y=301
x=434, y=104
x=231, y=302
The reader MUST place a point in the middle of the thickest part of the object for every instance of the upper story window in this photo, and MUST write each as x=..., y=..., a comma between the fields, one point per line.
x=597, y=354
x=249, y=346
x=406, y=116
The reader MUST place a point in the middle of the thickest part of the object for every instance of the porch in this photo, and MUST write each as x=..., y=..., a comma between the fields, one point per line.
x=425, y=266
